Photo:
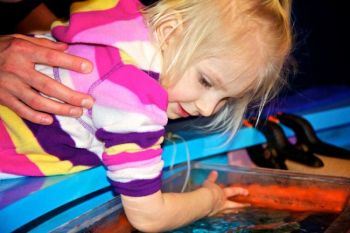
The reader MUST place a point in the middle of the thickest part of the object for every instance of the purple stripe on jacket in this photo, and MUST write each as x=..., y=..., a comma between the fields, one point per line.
x=138, y=188
x=57, y=142
x=144, y=140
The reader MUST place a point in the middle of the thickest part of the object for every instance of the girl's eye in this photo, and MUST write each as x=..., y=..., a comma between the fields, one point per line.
x=204, y=82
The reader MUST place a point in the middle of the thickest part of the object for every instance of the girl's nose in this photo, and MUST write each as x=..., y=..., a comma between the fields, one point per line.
x=209, y=106
x=206, y=107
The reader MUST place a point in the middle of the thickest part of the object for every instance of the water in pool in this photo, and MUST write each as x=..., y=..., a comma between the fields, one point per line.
x=257, y=220
x=281, y=202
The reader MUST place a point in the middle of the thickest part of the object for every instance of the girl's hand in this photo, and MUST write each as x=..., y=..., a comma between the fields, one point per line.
x=221, y=202
x=20, y=82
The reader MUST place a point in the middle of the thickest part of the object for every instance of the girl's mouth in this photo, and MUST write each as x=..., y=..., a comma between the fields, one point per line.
x=182, y=112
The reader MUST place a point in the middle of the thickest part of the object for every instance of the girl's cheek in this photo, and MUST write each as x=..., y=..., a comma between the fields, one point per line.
x=220, y=105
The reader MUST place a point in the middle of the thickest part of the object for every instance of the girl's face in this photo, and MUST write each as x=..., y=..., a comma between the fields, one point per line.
x=205, y=87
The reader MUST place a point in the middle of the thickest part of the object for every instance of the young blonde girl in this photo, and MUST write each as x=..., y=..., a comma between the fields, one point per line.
x=174, y=59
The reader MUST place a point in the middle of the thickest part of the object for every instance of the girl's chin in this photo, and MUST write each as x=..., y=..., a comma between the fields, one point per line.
x=173, y=116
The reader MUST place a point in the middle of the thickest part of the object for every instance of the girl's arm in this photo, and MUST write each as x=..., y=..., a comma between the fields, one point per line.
x=129, y=114
x=165, y=211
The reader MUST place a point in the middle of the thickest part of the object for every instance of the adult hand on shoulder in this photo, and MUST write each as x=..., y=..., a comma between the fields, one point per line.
x=20, y=83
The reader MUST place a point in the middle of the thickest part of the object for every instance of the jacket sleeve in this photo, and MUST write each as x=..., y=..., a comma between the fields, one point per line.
x=129, y=115
x=101, y=22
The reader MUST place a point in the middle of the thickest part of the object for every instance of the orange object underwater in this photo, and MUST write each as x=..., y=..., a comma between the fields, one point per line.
x=294, y=198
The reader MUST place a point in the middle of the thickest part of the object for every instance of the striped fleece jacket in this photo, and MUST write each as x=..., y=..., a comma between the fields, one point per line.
x=124, y=129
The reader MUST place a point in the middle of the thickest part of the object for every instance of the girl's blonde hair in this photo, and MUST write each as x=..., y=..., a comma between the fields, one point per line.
x=258, y=32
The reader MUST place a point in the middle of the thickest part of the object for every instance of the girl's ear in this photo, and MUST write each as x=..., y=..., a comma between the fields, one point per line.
x=168, y=30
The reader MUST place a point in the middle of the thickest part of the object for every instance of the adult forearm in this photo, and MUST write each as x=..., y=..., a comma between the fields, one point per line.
x=38, y=21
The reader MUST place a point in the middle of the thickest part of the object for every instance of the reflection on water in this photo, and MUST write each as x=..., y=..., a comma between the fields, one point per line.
x=262, y=220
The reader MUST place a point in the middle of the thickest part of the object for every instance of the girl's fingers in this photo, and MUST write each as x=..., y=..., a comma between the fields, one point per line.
x=232, y=207
x=212, y=177
x=234, y=191
x=230, y=211
x=235, y=205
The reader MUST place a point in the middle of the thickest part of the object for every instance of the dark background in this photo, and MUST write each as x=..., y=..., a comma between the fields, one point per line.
x=321, y=43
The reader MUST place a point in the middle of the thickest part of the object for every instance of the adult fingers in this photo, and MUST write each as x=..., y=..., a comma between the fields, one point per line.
x=52, y=88
x=43, y=51
x=20, y=63
x=39, y=103
x=24, y=111
x=43, y=42
x=58, y=58
x=23, y=92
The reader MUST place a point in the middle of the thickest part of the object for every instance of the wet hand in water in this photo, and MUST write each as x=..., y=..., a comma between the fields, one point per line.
x=221, y=195
x=20, y=83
